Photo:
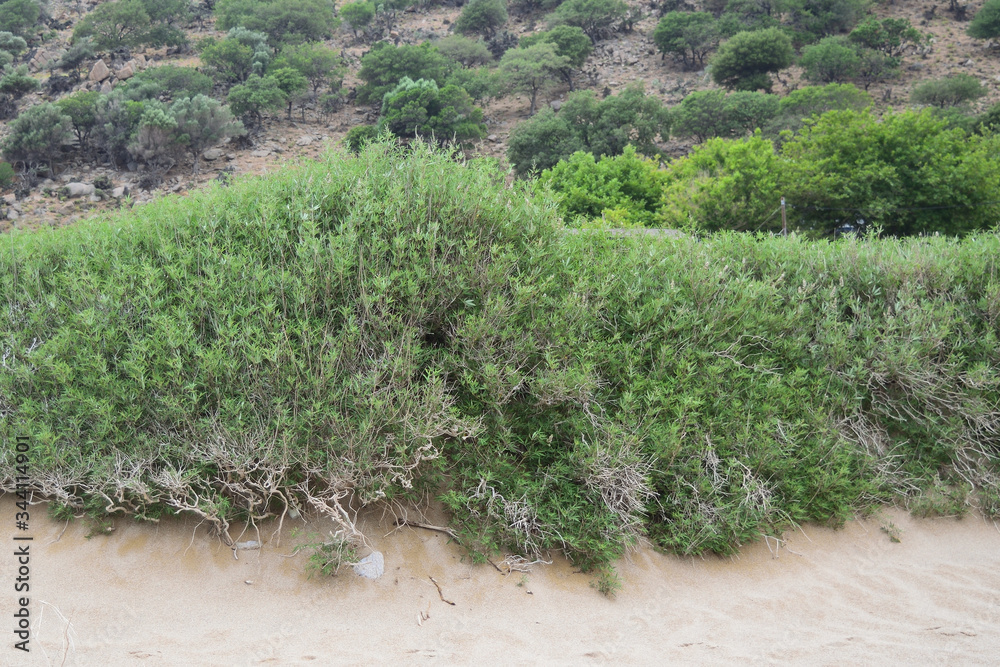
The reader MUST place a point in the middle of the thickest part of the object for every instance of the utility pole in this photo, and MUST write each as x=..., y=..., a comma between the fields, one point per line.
x=784, y=221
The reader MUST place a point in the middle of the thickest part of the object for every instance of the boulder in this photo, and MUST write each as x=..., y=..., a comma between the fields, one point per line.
x=304, y=140
x=125, y=73
x=12, y=214
x=119, y=192
x=105, y=88
x=78, y=189
x=371, y=566
x=212, y=154
x=99, y=72
x=260, y=152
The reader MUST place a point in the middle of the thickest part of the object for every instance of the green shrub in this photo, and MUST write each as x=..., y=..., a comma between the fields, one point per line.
x=178, y=82
x=713, y=113
x=950, y=91
x=17, y=16
x=904, y=171
x=688, y=35
x=123, y=23
x=597, y=18
x=830, y=60
x=725, y=184
x=986, y=23
x=621, y=191
x=242, y=53
x=36, y=136
x=816, y=19
x=584, y=123
x=386, y=65
x=890, y=36
x=250, y=100
x=465, y=51
x=420, y=109
x=746, y=61
x=360, y=136
x=283, y=21
x=6, y=174
x=570, y=42
x=379, y=328
x=532, y=70
x=483, y=17
x=811, y=101
x=358, y=15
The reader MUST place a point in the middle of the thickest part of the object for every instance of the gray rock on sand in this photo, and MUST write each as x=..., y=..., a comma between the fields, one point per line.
x=247, y=546
x=78, y=189
x=371, y=566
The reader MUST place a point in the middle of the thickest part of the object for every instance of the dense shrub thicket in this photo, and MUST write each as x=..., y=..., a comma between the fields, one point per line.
x=368, y=329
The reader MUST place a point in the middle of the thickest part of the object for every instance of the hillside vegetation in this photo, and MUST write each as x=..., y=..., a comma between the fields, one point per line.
x=107, y=104
x=375, y=328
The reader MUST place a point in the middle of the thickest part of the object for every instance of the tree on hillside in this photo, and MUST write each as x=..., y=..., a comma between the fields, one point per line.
x=202, y=123
x=465, y=51
x=81, y=108
x=531, y=70
x=421, y=109
x=17, y=16
x=713, y=113
x=358, y=15
x=79, y=52
x=283, y=21
x=318, y=63
x=249, y=100
x=122, y=23
x=949, y=91
x=688, y=35
x=386, y=65
x=830, y=60
x=986, y=23
x=242, y=53
x=876, y=67
x=36, y=136
x=483, y=17
x=890, y=36
x=746, y=61
x=597, y=18
x=292, y=83
x=570, y=41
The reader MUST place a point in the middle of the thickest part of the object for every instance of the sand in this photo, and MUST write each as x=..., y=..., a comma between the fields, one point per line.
x=169, y=594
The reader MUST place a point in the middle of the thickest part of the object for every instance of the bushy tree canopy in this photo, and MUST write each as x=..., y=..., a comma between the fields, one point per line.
x=421, y=109
x=689, y=36
x=37, y=135
x=386, y=65
x=949, y=91
x=746, y=61
x=483, y=17
x=986, y=23
x=597, y=18
x=120, y=23
x=283, y=21
x=532, y=70
x=831, y=60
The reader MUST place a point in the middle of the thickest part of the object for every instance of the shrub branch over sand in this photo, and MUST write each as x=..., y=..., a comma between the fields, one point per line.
x=371, y=329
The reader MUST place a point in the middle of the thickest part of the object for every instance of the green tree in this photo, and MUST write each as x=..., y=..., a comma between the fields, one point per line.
x=283, y=21
x=16, y=82
x=624, y=190
x=531, y=70
x=725, y=184
x=713, y=113
x=242, y=53
x=155, y=141
x=81, y=108
x=358, y=15
x=250, y=99
x=79, y=52
x=483, y=17
x=481, y=83
x=201, y=123
x=597, y=18
x=570, y=42
x=823, y=18
x=12, y=44
x=420, y=109
x=120, y=23
x=890, y=36
x=810, y=101
x=949, y=91
x=904, y=171
x=16, y=16
x=830, y=60
x=688, y=35
x=291, y=82
x=177, y=82
x=876, y=67
x=386, y=65
x=746, y=61
x=360, y=136
x=986, y=23
x=465, y=51
x=36, y=136
x=540, y=143
x=317, y=62
x=584, y=123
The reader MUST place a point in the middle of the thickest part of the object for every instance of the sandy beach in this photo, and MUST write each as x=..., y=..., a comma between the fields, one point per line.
x=169, y=594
